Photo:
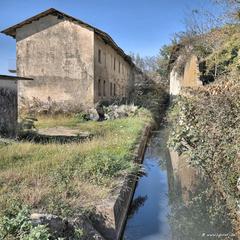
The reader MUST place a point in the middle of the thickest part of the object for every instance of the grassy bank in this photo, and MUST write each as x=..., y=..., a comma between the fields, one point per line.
x=67, y=178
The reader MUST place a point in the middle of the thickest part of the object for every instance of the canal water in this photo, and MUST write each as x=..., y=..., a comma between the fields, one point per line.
x=174, y=202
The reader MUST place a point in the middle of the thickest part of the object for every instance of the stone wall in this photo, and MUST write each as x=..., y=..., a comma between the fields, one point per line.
x=8, y=108
x=175, y=80
x=58, y=54
x=189, y=78
x=185, y=176
x=191, y=73
x=119, y=73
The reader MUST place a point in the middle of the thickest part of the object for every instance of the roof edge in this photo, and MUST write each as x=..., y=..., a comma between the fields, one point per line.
x=11, y=31
x=8, y=77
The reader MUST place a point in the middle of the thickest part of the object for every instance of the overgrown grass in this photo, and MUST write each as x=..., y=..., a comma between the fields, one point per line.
x=65, y=178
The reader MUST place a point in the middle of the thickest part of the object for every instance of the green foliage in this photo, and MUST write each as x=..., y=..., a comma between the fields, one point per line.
x=15, y=224
x=109, y=165
x=204, y=212
x=79, y=233
x=82, y=117
x=226, y=57
x=217, y=49
x=163, y=61
x=152, y=96
x=205, y=126
x=39, y=232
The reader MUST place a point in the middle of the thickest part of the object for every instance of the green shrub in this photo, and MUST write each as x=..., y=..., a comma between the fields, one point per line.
x=205, y=126
x=15, y=224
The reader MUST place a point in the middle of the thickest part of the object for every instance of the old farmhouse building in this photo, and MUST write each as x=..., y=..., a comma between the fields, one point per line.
x=70, y=61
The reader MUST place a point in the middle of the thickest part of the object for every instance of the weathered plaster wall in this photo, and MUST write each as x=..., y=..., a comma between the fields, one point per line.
x=8, y=108
x=58, y=54
x=122, y=77
x=190, y=77
x=185, y=176
x=175, y=82
x=191, y=73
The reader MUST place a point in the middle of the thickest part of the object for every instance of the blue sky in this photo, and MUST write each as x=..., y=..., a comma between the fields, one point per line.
x=140, y=26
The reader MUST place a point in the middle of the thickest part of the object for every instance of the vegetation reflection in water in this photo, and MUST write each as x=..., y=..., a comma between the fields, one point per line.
x=191, y=213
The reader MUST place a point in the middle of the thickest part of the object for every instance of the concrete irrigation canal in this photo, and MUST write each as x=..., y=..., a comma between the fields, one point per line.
x=172, y=201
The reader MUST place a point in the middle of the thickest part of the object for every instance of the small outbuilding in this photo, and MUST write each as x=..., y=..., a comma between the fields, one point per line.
x=9, y=105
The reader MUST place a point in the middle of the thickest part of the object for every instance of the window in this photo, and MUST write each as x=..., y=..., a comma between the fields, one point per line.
x=119, y=67
x=114, y=89
x=104, y=88
x=99, y=55
x=99, y=88
x=111, y=89
x=104, y=59
x=114, y=64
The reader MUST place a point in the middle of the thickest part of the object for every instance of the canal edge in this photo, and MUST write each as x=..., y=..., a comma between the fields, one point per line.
x=124, y=200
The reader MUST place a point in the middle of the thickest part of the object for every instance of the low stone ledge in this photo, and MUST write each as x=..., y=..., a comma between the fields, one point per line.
x=55, y=136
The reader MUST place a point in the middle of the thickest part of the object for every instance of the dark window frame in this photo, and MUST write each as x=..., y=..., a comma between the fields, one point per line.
x=99, y=56
x=99, y=88
x=111, y=89
x=104, y=88
x=114, y=89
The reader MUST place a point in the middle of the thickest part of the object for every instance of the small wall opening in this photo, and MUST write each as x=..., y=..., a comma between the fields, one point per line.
x=111, y=89
x=99, y=56
x=104, y=88
x=99, y=88
x=114, y=89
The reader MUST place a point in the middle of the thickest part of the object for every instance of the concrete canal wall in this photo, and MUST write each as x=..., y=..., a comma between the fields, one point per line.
x=113, y=213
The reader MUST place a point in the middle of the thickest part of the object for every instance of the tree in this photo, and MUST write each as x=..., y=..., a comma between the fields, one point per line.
x=138, y=60
x=232, y=9
x=156, y=67
x=163, y=61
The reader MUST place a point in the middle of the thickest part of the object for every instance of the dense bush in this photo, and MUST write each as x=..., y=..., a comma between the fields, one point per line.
x=152, y=96
x=205, y=126
x=226, y=55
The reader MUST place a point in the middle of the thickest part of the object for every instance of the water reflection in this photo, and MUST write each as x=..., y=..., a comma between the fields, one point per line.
x=150, y=220
x=173, y=201
x=202, y=215
x=136, y=204
x=198, y=211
